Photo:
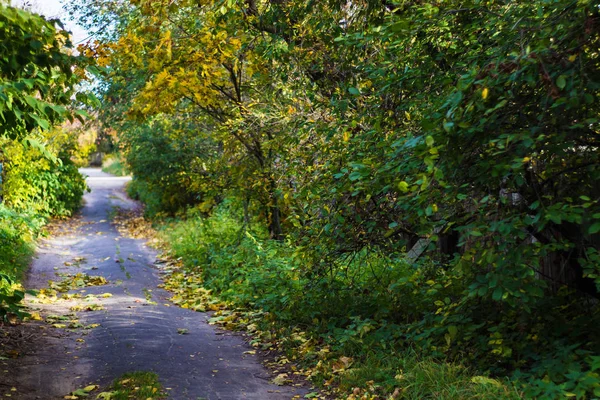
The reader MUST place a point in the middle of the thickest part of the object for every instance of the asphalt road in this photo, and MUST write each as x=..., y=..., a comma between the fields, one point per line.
x=138, y=329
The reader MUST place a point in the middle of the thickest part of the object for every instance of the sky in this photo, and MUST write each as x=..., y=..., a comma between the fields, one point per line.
x=53, y=9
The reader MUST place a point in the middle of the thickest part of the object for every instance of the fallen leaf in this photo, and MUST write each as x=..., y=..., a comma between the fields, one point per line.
x=90, y=388
x=280, y=379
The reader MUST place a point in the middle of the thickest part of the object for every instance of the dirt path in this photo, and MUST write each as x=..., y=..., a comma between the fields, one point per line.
x=138, y=329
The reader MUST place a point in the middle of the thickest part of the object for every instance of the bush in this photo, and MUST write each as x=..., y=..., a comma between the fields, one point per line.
x=355, y=315
x=373, y=306
x=167, y=159
x=39, y=182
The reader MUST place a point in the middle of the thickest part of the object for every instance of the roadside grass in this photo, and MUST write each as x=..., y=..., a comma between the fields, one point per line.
x=406, y=375
x=115, y=164
x=138, y=385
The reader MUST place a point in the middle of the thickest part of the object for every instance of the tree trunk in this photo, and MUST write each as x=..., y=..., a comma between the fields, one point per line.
x=274, y=212
x=275, y=223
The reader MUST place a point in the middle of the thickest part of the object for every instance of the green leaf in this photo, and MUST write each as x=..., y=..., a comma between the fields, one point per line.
x=42, y=123
x=354, y=91
x=403, y=186
x=448, y=126
x=452, y=330
x=497, y=294
x=595, y=228
x=561, y=82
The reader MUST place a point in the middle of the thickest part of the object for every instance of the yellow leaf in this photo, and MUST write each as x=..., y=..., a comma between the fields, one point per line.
x=346, y=136
x=280, y=379
x=36, y=316
x=90, y=388
x=572, y=57
x=484, y=93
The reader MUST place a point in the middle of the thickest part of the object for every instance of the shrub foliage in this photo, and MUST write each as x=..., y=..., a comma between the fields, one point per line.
x=424, y=172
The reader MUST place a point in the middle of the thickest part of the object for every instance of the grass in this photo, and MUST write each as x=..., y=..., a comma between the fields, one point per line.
x=138, y=385
x=412, y=377
x=115, y=164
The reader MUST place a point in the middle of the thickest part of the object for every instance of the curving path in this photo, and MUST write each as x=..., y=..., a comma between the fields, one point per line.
x=138, y=329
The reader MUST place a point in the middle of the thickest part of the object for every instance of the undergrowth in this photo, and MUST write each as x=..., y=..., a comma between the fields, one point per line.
x=348, y=333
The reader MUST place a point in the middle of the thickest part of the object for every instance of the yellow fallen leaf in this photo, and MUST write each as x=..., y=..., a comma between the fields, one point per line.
x=484, y=93
x=280, y=379
x=36, y=316
x=90, y=388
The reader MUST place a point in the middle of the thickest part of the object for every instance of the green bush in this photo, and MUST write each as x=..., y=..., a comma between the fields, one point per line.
x=356, y=315
x=167, y=158
x=373, y=305
x=38, y=183
x=46, y=185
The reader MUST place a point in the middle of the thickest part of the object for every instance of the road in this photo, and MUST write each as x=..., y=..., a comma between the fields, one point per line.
x=138, y=329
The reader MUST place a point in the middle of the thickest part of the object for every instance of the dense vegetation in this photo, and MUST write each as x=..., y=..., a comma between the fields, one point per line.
x=38, y=180
x=380, y=176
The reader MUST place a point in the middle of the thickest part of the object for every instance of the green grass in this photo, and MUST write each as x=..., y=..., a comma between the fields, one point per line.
x=115, y=164
x=414, y=378
x=136, y=385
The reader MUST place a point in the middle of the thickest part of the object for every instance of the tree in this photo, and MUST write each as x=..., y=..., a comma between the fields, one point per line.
x=38, y=75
